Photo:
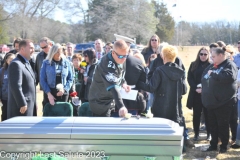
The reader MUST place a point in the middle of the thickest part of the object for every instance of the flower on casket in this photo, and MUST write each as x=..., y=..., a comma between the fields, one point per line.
x=149, y=114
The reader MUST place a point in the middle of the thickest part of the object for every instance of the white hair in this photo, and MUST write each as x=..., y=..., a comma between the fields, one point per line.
x=53, y=51
x=160, y=47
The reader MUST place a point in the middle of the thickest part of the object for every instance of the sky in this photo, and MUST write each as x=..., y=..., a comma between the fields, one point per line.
x=193, y=10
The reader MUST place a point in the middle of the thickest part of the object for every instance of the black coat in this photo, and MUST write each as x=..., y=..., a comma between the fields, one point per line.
x=220, y=87
x=159, y=62
x=135, y=72
x=166, y=84
x=22, y=90
x=85, y=88
x=146, y=52
x=194, y=78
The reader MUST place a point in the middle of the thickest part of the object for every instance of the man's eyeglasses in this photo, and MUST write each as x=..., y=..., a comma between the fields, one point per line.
x=121, y=56
x=44, y=46
x=203, y=54
x=85, y=55
x=154, y=40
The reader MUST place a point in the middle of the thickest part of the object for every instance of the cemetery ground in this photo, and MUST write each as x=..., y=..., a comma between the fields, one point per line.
x=187, y=54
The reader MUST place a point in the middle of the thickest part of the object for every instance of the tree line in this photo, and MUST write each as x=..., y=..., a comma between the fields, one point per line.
x=138, y=19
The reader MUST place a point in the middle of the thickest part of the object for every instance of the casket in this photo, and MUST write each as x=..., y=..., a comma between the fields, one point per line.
x=91, y=138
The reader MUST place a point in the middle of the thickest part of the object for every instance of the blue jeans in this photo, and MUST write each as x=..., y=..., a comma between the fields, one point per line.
x=238, y=128
x=150, y=101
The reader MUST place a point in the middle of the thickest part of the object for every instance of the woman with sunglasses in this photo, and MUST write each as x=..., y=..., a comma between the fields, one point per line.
x=151, y=48
x=194, y=100
x=90, y=58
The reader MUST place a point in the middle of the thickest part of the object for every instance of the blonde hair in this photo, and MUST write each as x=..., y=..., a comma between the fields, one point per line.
x=230, y=49
x=53, y=51
x=169, y=53
x=140, y=56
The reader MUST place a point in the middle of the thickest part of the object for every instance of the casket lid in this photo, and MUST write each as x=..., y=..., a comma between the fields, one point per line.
x=91, y=128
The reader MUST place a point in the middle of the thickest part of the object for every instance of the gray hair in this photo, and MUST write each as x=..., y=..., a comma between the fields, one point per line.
x=159, y=50
x=45, y=39
x=53, y=51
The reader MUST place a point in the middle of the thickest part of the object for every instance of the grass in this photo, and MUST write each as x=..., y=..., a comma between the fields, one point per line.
x=187, y=54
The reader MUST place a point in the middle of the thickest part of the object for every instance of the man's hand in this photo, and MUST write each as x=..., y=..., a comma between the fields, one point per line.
x=60, y=93
x=126, y=87
x=23, y=109
x=51, y=99
x=199, y=90
x=122, y=111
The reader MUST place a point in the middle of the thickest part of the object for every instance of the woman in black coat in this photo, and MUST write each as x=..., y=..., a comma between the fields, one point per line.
x=194, y=97
x=90, y=57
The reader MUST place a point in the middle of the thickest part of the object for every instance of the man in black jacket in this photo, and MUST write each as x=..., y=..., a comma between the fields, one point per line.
x=107, y=79
x=45, y=44
x=22, y=89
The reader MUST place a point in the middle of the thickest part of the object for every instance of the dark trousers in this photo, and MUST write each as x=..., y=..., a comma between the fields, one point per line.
x=105, y=114
x=233, y=121
x=63, y=98
x=45, y=99
x=197, y=112
x=219, y=125
x=4, y=110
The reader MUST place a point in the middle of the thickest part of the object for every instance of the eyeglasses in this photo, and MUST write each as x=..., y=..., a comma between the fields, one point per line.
x=44, y=46
x=121, y=56
x=85, y=55
x=203, y=54
x=154, y=40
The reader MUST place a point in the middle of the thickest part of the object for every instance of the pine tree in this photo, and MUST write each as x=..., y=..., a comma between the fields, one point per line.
x=166, y=24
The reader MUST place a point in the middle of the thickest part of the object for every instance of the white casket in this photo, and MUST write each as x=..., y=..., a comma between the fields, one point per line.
x=91, y=138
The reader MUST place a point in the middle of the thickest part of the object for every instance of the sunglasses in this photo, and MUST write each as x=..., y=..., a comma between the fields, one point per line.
x=203, y=54
x=44, y=46
x=121, y=56
x=154, y=40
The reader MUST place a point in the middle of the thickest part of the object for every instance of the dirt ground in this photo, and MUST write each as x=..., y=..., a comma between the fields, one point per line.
x=187, y=54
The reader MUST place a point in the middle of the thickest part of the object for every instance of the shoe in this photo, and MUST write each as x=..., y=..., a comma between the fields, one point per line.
x=188, y=143
x=210, y=148
x=209, y=138
x=222, y=150
x=196, y=136
x=232, y=142
x=235, y=146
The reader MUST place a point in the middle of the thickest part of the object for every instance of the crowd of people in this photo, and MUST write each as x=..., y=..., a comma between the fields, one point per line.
x=98, y=74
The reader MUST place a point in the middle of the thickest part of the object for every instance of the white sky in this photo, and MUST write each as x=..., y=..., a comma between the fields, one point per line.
x=194, y=10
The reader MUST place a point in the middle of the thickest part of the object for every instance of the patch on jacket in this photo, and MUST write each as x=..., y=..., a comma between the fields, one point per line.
x=111, y=77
